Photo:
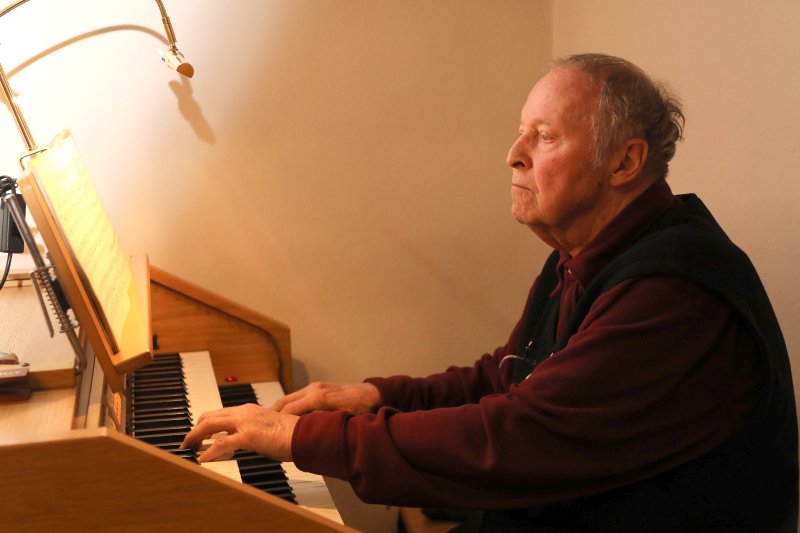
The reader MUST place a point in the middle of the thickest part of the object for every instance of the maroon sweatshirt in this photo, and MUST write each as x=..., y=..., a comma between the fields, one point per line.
x=658, y=374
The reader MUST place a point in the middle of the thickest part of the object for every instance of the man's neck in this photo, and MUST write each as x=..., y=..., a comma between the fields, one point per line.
x=580, y=232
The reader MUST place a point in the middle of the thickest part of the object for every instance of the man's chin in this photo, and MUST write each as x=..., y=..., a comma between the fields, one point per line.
x=525, y=217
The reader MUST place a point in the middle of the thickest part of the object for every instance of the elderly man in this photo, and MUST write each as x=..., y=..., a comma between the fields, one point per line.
x=646, y=386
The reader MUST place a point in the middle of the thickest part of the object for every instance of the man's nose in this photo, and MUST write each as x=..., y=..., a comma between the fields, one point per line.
x=518, y=155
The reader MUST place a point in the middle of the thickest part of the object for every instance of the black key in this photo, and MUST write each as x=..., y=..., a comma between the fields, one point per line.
x=175, y=381
x=185, y=453
x=155, y=368
x=144, y=413
x=267, y=486
x=166, y=403
x=164, y=438
x=161, y=422
x=172, y=429
x=161, y=394
x=287, y=495
x=274, y=468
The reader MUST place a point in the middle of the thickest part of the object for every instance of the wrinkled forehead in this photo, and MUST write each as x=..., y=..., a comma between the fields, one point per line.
x=565, y=93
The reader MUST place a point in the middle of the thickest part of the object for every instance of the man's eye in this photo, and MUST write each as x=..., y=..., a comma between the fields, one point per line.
x=545, y=136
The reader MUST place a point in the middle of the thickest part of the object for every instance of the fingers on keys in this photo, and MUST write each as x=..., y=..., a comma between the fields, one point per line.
x=296, y=403
x=222, y=447
x=207, y=425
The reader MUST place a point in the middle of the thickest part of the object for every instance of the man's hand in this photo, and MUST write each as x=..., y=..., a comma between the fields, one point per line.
x=249, y=427
x=355, y=398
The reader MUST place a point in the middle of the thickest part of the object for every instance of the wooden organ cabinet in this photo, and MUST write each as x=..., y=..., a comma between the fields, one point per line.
x=68, y=464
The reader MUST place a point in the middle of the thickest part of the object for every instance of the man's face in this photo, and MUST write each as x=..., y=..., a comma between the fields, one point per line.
x=554, y=183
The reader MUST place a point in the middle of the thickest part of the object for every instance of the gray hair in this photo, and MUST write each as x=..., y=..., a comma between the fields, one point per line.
x=630, y=105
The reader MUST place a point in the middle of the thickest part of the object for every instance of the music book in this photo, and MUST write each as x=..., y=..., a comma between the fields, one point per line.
x=108, y=291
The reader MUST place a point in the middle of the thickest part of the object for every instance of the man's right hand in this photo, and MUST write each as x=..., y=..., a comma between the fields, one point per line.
x=355, y=398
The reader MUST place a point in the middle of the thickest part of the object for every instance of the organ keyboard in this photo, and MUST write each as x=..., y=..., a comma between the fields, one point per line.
x=176, y=389
x=82, y=457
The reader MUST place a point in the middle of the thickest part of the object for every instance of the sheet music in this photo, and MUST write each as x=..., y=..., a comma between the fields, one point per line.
x=85, y=224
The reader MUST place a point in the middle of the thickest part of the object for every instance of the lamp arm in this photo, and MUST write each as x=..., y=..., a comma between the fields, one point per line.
x=11, y=7
x=18, y=117
x=167, y=24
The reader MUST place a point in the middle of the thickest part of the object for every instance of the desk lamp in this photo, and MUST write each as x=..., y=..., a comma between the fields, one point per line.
x=173, y=58
x=44, y=282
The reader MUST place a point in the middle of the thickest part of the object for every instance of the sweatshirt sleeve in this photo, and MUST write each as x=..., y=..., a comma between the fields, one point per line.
x=456, y=386
x=658, y=374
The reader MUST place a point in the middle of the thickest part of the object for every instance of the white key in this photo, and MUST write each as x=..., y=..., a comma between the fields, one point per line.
x=203, y=396
x=201, y=386
x=268, y=392
x=309, y=489
x=229, y=469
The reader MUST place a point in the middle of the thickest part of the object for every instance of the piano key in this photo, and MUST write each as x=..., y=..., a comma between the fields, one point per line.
x=146, y=373
x=228, y=469
x=311, y=492
x=175, y=374
x=234, y=388
x=161, y=360
x=173, y=382
x=169, y=437
x=202, y=394
x=193, y=373
x=161, y=422
x=286, y=494
x=159, y=372
x=245, y=467
x=169, y=447
x=268, y=392
x=233, y=400
x=309, y=489
x=254, y=468
x=266, y=468
x=232, y=395
x=187, y=454
x=164, y=391
x=154, y=413
x=268, y=485
x=166, y=428
x=159, y=403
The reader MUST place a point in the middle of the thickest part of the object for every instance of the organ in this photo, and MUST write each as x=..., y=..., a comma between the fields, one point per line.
x=70, y=456
x=98, y=448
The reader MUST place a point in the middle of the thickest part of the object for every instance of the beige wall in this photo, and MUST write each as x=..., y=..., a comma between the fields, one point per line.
x=736, y=65
x=336, y=165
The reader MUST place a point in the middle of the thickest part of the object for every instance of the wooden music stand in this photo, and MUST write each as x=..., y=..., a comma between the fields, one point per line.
x=117, y=356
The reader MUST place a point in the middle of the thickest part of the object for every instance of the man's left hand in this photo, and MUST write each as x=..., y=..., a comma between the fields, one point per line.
x=249, y=427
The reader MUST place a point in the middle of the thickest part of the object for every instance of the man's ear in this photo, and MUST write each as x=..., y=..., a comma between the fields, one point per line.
x=628, y=161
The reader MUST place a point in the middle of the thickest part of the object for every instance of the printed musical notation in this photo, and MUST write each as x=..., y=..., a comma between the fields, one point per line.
x=84, y=222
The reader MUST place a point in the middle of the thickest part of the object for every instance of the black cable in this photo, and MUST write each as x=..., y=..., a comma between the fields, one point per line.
x=7, y=186
x=8, y=268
